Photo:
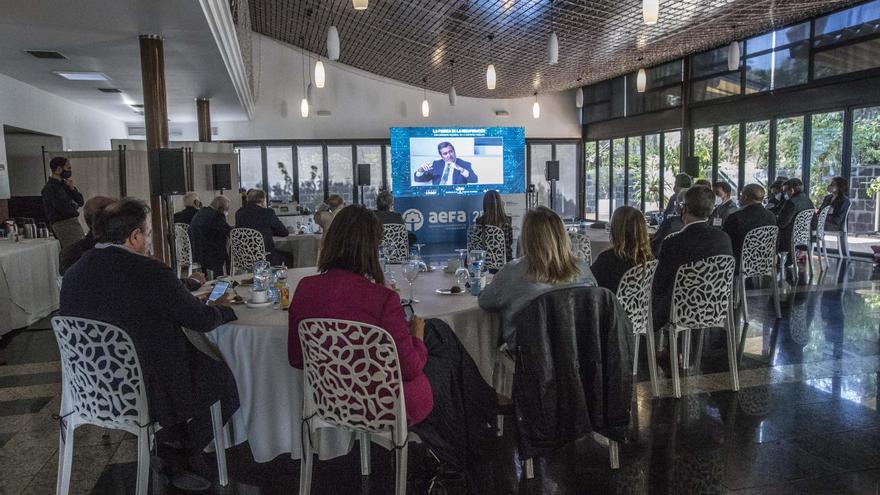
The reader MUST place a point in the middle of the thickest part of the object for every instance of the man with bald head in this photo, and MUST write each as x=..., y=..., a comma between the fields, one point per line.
x=74, y=252
x=751, y=215
x=210, y=232
x=191, y=205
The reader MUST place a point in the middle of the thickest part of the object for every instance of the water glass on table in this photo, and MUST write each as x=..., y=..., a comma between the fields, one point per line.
x=411, y=271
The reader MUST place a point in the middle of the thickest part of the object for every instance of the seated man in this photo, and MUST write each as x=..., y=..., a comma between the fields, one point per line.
x=670, y=225
x=724, y=204
x=73, y=253
x=796, y=202
x=115, y=282
x=191, y=205
x=695, y=241
x=210, y=234
x=446, y=171
x=255, y=215
x=328, y=209
x=384, y=205
x=751, y=216
x=682, y=181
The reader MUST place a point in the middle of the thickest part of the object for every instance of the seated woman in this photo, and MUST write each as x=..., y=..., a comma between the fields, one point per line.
x=493, y=214
x=630, y=247
x=838, y=199
x=547, y=263
x=447, y=402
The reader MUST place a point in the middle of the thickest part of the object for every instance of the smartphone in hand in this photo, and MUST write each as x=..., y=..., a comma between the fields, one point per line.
x=219, y=289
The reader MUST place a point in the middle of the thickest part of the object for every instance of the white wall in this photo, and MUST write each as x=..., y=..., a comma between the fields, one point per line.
x=25, y=161
x=365, y=105
x=27, y=107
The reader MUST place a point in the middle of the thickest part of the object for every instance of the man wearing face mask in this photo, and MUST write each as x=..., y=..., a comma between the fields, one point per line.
x=61, y=202
x=796, y=202
x=116, y=283
x=775, y=199
x=724, y=204
x=210, y=233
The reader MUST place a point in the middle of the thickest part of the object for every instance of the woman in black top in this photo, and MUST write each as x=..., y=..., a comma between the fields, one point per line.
x=838, y=199
x=493, y=214
x=630, y=247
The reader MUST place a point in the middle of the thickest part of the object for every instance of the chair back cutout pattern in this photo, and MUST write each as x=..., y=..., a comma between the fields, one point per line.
x=473, y=239
x=247, y=248
x=352, y=375
x=701, y=294
x=492, y=239
x=759, y=251
x=820, y=223
x=182, y=244
x=395, y=243
x=634, y=294
x=800, y=233
x=580, y=246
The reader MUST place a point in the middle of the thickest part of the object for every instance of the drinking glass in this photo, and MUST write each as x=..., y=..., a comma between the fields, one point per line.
x=461, y=273
x=417, y=251
x=411, y=272
x=261, y=275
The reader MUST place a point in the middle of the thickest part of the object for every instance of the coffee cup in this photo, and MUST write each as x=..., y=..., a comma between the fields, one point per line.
x=259, y=296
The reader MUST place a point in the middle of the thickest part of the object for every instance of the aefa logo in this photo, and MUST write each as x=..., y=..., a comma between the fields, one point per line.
x=413, y=219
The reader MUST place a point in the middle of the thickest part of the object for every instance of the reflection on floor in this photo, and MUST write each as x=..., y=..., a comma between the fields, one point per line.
x=805, y=421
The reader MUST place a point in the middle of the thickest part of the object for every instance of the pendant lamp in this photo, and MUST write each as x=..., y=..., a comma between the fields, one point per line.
x=553, y=49
x=650, y=11
x=733, y=56
x=452, y=93
x=579, y=98
x=426, y=109
x=360, y=4
x=319, y=74
x=490, y=70
x=536, y=108
x=304, y=108
x=332, y=43
x=641, y=81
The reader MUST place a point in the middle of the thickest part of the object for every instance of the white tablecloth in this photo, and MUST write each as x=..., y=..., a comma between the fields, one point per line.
x=28, y=287
x=303, y=247
x=271, y=391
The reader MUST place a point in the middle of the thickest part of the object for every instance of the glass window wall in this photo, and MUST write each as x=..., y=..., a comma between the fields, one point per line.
x=652, y=172
x=634, y=171
x=566, y=186
x=826, y=152
x=703, y=139
x=310, y=166
x=757, y=160
x=251, y=164
x=618, y=173
x=671, y=162
x=864, y=189
x=279, y=161
x=590, y=179
x=789, y=147
x=371, y=154
x=539, y=155
x=604, y=193
x=728, y=155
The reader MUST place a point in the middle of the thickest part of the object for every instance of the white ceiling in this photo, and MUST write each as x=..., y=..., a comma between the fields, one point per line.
x=102, y=35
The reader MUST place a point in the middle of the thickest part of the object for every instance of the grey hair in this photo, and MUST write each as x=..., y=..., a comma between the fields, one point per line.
x=220, y=203
x=190, y=198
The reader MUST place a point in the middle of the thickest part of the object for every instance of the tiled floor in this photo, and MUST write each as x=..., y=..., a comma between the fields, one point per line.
x=805, y=420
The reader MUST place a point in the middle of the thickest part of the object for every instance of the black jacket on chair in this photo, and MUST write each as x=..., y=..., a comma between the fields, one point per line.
x=839, y=207
x=669, y=226
x=210, y=232
x=185, y=215
x=253, y=216
x=695, y=242
x=573, y=369
x=785, y=219
x=739, y=223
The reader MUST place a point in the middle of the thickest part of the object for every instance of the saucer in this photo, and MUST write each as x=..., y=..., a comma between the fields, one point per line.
x=254, y=305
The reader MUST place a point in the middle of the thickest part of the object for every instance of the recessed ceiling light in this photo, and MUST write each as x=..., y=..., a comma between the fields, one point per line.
x=82, y=76
x=46, y=54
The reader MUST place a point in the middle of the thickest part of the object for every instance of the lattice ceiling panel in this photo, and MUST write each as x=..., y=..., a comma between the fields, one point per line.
x=412, y=40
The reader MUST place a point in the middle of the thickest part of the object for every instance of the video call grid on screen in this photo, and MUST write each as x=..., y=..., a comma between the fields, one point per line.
x=484, y=158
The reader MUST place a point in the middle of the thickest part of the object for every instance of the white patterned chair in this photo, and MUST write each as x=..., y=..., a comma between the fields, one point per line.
x=758, y=259
x=183, y=248
x=819, y=234
x=702, y=298
x=395, y=243
x=361, y=392
x=103, y=385
x=493, y=242
x=580, y=246
x=634, y=294
x=246, y=248
x=473, y=239
x=800, y=236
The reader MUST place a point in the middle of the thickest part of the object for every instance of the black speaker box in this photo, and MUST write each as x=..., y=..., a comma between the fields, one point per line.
x=552, y=171
x=363, y=174
x=167, y=173
x=221, y=177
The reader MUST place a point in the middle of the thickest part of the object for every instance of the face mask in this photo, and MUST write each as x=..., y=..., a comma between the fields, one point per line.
x=778, y=196
x=65, y=174
x=832, y=190
x=786, y=196
x=717, y=200
x=225, y=213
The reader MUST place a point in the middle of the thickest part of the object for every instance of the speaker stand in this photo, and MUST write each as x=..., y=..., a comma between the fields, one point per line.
x=553, y=195
x=169, y=213
x=363, y=201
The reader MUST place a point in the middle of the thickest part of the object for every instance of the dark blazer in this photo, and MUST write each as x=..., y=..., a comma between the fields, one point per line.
x=739, y=223
x=435, y=174
x=185, y=215
x=73, y=253
x=144, y=297
x=210, y=232
x=252, y=216
x=839, y=207
x=775, y=205
x=695, y=242
x=609, y=269
x=669, y=226
x=785, y=219
x=573, y=368
x=669, y=210
x=59, y=201
x=721, y=212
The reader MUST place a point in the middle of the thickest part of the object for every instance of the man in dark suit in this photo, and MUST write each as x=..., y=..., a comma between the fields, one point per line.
x=751, y=216
x=255, y=215
x=191, y=205
x=697, y=240
x=796, y=202
x=117, y=283
x=670, y=225
x=384, y=205
x=724, y=204
x=682, y=181
x=210, y=234
x=776, y=198
x=448, y=170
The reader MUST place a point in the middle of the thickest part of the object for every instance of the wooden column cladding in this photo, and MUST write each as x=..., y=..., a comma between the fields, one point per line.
x=203, y=110
x=156, y=124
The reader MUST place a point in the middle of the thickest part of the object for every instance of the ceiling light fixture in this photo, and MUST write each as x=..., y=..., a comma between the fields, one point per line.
x=319, y=74
x=553, y=49
x=452, y=94
x=641, y=81
x=650, y=11
x=579, y=96
x=360, y=4
x=82, y=76
x=536, y=108
x=304, y=104
x=332, y=43
x=426, y=109
x=490, y=70
x=733, y=56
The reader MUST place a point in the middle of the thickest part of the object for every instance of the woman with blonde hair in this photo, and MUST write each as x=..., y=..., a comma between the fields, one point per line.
x=630, y=247
x=547, y=263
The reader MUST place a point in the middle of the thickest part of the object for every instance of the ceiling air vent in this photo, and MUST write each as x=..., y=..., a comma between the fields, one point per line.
x=137, y=130
x=50, y=54
x=110, y=90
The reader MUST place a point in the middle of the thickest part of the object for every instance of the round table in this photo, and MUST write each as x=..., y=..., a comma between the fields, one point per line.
x=28, y=281
x=303, y=247
x=271, y=391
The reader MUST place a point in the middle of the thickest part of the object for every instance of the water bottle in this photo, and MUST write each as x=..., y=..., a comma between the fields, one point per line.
x=311, y=226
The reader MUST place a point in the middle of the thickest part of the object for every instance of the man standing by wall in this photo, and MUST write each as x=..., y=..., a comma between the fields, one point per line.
x=61, y=202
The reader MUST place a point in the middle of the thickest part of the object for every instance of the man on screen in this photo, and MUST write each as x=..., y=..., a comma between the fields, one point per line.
x=447, y=171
